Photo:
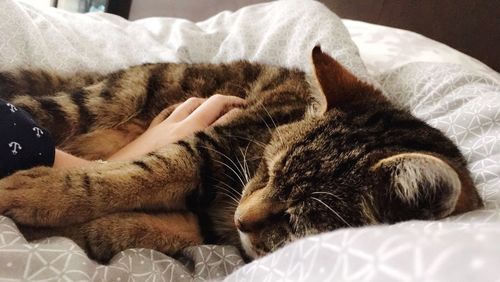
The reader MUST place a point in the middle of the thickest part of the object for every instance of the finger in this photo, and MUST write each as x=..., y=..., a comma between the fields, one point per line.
x=164, y=114
x=225, y=117
x=216, y=106
x=185, y=109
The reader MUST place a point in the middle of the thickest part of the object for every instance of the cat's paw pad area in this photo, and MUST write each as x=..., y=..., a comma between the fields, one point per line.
x=35, y=197
x=25, y=179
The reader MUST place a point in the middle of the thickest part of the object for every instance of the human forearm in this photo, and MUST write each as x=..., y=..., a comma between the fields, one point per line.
x=65, y=160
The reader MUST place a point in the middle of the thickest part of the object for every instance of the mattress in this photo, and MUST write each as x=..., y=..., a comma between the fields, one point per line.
x=451, y=91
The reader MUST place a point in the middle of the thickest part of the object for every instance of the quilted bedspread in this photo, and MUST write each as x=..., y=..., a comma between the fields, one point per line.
x=449, y=90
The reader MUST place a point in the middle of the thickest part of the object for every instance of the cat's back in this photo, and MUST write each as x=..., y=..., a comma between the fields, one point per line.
x=237, y=78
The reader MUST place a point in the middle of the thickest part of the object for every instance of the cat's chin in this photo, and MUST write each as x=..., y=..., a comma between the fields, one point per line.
x=247, y=246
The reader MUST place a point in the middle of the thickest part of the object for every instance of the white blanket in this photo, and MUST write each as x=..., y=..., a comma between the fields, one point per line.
x=280, y=34
x=462, y=100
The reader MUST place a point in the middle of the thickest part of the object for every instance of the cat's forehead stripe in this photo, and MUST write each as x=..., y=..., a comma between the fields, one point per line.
x=277, y=156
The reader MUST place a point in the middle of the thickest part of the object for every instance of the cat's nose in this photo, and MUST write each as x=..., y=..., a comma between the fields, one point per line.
x=239, y=224
x=248, y=222
x=255, y=211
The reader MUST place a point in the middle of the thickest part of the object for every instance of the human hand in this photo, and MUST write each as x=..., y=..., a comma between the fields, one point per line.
x=193, y=115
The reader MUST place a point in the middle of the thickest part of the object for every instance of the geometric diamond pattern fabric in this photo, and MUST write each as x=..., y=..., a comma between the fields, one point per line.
x=59, y=259
x=462, y=104
x=415, y=251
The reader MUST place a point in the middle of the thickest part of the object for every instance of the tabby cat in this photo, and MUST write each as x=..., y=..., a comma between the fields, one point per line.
x=308, y=154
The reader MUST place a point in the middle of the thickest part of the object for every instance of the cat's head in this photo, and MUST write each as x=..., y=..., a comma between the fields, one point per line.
x=358, y=161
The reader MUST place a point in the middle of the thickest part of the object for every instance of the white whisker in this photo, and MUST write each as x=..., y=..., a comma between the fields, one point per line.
x=220, y=153
x=226, y=175
x=233, y=189
x=272, y=120
x=228, y=194
x=258, y=143
x=279, y=244
x=328, y=193
x=265, y=122
x=226, y=165
x=245, y=160
x=242, y=168
x=230, y=168
x=332, y=210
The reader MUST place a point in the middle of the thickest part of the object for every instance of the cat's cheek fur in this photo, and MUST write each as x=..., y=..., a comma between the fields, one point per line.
x=247, y=245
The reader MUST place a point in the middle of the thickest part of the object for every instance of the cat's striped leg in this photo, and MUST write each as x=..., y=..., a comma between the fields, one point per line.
x=50, y=197
x=104, y=237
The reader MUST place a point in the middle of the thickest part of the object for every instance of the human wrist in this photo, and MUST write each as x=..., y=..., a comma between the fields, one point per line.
x=64, y=160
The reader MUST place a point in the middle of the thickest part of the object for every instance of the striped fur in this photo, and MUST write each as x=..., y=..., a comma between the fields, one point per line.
x=296, y=161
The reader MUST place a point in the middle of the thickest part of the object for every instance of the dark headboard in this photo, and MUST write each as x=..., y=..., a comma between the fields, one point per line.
x=471, y=26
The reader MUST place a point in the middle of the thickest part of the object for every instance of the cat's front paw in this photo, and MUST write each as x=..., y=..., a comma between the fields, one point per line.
x=37, y=197
x=23, y=179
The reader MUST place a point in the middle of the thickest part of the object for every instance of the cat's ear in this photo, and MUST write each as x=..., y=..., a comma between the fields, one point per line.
x=338, y=85
x=416, y=186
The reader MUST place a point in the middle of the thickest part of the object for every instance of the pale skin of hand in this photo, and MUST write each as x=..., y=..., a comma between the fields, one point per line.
x=193, y=115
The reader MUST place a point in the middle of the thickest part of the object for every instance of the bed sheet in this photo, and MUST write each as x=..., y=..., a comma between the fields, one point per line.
x=384, y=48
x=451, y=91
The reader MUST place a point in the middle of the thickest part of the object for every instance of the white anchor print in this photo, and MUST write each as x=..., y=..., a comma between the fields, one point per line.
x=12, y=107
x=15, y=146
x=38, y=131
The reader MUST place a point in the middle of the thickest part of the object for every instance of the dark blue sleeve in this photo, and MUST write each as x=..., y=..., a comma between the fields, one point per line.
x=23, y=144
